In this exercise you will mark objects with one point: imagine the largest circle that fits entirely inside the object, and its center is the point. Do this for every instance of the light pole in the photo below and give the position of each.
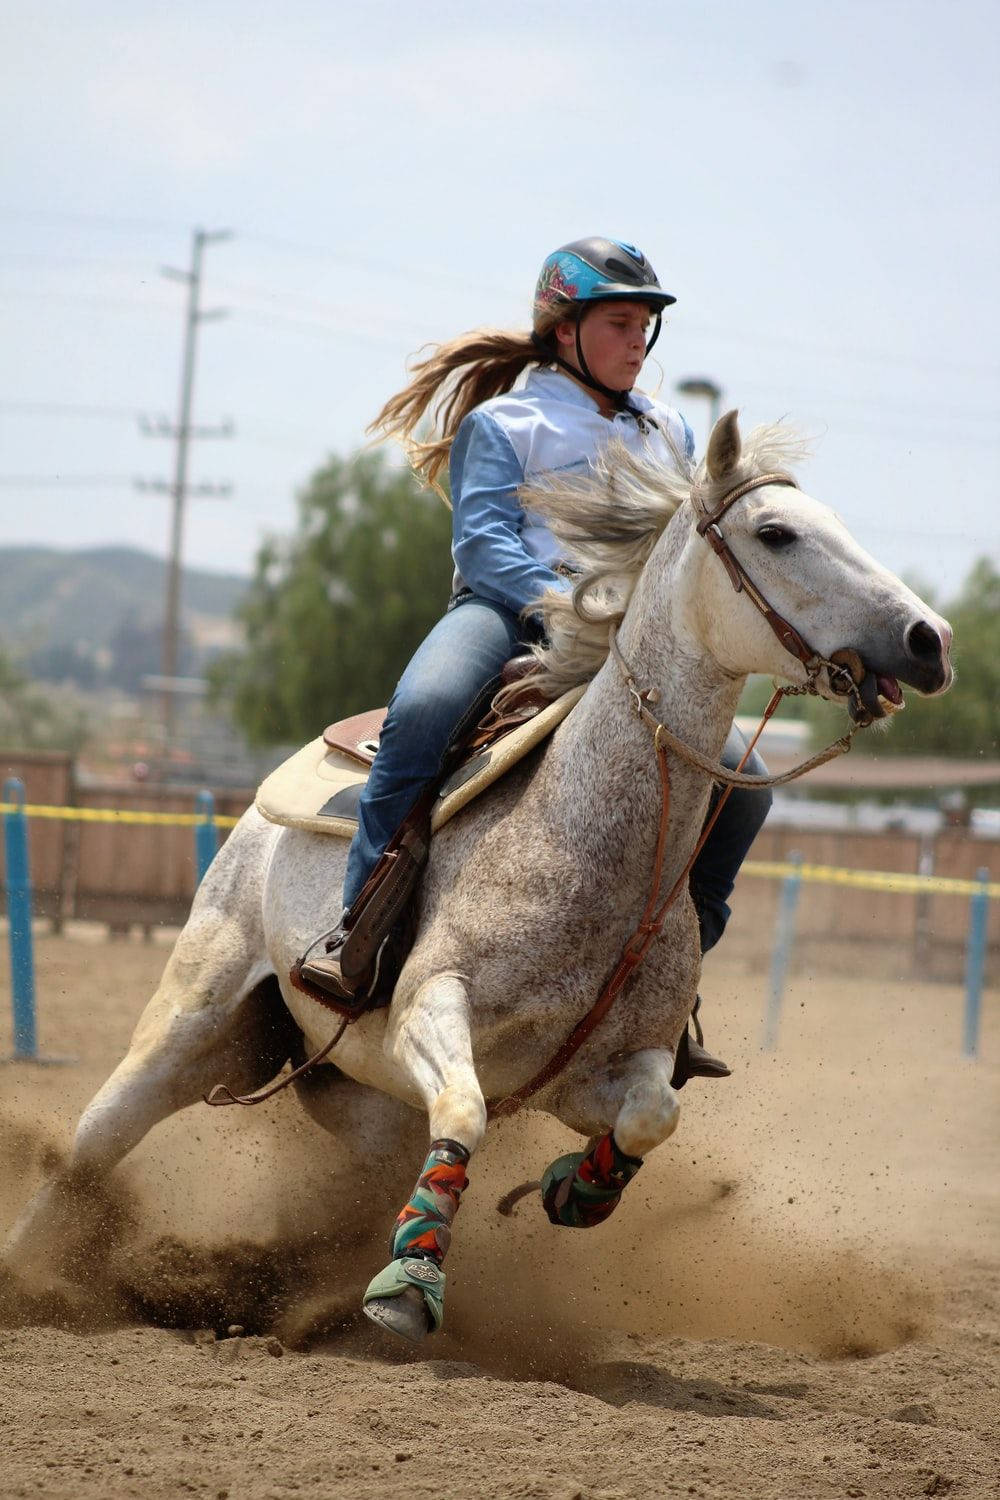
(701, 386)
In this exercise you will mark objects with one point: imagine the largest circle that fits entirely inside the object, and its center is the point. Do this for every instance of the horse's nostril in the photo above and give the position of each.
(923, 642)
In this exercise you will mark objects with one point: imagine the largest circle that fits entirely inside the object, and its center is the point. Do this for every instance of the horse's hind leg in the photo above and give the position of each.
(216, 1014)
(430, 1039)
(174, 1059)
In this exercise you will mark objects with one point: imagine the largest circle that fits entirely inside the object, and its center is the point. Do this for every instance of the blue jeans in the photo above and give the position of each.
(457, 667)
(451, 670)
(714, 872)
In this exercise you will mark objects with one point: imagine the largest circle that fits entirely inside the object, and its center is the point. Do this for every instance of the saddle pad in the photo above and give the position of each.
(318, 788)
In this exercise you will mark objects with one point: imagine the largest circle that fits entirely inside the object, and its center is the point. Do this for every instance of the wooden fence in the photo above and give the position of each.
(119, 873)
(889, 934)
(126, 874)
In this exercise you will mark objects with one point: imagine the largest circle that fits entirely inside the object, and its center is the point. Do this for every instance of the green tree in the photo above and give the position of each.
(757, 694)
(335, 612)
(34, 718)
(965, 723)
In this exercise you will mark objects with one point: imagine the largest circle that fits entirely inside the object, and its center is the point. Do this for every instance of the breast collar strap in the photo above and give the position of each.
(708, 527)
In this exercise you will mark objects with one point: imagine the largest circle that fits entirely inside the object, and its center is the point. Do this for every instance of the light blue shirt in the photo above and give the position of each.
(502, 551)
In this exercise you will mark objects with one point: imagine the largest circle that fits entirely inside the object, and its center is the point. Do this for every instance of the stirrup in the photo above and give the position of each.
(322, 978)
(347, 977)
(693, 1060)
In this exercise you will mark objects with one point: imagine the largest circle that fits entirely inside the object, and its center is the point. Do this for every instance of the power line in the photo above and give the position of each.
(877, 403)
(312, 329)
(832, 351)
(256, 431)
(802, 404)
(371, 263)
(902, 535)
(872, 357)
(63, 481)
(67, 409)
(106, 221)
(314, 304)
(910, 437)
(85, 299)
(33, 261)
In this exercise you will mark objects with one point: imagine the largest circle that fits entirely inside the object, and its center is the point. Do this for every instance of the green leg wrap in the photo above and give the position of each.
(583, 1188)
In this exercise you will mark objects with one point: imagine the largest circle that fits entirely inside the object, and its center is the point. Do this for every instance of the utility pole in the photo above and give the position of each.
(179, 490)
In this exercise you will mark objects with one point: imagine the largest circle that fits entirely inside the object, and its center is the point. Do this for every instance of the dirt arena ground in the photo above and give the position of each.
(799, 1297)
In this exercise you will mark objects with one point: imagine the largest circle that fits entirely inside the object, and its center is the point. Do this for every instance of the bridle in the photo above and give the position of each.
(654, 915)
(841, 679)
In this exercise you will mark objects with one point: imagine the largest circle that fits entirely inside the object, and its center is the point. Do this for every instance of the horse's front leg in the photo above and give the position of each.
(581, 1189)
(430, 1039)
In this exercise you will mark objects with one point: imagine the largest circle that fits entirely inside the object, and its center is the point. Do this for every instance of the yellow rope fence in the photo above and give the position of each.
(869, 880)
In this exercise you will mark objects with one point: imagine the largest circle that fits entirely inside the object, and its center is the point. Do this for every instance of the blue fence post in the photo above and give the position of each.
(22, 961)
(975, 963)
(784, 938)
(206, 835)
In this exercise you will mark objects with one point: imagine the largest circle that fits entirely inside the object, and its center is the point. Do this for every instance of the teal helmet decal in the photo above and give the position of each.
(584, 272)
(595, 269)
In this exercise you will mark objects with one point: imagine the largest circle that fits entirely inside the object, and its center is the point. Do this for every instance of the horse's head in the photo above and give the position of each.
(766, 557)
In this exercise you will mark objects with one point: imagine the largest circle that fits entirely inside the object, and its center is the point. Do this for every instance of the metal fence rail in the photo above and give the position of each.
(206, 823)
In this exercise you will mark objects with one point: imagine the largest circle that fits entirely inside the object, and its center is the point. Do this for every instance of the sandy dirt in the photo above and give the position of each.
(799, 1297)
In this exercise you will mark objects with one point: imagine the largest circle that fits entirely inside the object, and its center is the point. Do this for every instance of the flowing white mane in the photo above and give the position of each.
(608, 520)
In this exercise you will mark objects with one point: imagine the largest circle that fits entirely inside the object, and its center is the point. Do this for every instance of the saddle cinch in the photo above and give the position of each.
(319, 787)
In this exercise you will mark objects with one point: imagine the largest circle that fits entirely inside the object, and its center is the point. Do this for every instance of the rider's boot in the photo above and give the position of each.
(324, 971)
(693, 1060)
(341, 968)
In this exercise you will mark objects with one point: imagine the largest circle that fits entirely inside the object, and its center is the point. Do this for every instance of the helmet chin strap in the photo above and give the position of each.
(581, 370)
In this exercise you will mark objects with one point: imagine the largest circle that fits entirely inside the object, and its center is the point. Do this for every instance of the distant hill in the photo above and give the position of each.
(58, 607)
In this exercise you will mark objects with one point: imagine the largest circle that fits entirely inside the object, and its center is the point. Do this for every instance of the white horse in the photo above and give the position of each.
(532, 892)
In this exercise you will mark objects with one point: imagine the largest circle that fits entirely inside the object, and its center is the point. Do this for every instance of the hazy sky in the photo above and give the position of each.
(816, 182)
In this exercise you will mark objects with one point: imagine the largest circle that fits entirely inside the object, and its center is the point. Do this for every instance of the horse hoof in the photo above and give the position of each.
(405, 1315)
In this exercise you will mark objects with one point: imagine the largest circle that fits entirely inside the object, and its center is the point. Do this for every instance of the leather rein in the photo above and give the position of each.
(655, 913)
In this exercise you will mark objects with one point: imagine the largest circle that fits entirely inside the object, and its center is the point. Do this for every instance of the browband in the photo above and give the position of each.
(731, 496)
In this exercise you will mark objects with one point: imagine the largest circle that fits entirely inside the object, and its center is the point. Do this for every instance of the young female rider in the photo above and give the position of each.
(595, 303)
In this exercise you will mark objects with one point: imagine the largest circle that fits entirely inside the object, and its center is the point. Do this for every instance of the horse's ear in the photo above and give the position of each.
(723, 447)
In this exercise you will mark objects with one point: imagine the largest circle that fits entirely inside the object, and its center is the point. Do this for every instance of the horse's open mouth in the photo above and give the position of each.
(880, 695)
(872, 695)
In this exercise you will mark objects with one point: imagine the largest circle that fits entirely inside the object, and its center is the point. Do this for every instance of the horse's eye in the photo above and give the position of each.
(776, 537)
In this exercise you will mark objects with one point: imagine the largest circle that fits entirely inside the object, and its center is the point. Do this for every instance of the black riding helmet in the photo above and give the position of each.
(587, 271)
